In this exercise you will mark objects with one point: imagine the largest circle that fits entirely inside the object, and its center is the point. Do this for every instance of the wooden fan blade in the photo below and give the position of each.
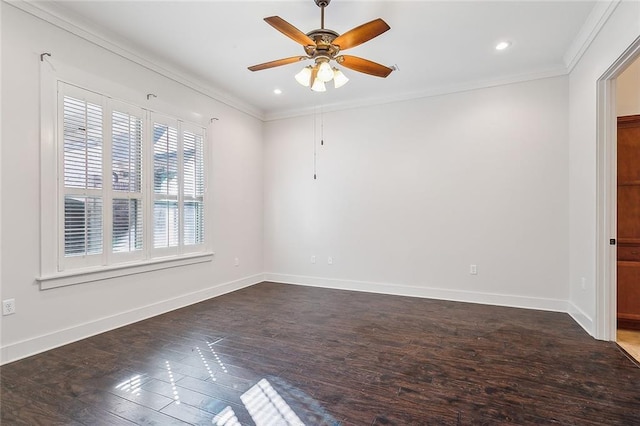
(277, 63)
(364, 65)
(289, 30)
(361, 34)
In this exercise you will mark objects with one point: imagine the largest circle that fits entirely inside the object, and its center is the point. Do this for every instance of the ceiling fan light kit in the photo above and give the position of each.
(323, 46)
(325, 72)
(304, 76)
(339, 79)
(318, 86)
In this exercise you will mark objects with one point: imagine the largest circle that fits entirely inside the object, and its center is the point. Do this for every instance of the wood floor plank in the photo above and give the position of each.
(18, 407)
(128, 410)
(71, 406)
(187, 396)
(211, 389)
(327, 357)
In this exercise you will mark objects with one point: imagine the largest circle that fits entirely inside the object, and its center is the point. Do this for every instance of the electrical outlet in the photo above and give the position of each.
(329, 260)
(313, 259)
(8, 306)
(473, 269)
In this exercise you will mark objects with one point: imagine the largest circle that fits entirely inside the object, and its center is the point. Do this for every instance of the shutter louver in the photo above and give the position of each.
(82, 225)
(127, 225)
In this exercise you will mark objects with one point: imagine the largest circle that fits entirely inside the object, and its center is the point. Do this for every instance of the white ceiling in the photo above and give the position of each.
(439, 47)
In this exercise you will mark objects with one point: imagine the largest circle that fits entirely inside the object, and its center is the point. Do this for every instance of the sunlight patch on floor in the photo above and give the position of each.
(267, 407)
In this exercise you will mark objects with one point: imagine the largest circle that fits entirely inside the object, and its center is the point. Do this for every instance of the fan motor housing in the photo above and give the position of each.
(324, 42)
(322, 3)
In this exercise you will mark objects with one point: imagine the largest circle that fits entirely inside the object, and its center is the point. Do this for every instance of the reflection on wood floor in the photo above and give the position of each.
(290, 355)
(629, 340)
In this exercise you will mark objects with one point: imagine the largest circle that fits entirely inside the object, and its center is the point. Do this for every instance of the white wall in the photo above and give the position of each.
(45, 319)
(620, 31)
(628, 90)
(409, 194)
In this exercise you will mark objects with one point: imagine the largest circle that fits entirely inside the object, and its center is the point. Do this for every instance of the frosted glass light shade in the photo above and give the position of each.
(325, 73)
(304, 76)
(318, 86)
(339, 79)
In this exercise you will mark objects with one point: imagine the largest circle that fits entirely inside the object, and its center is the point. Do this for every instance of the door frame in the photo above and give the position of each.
(606, 194)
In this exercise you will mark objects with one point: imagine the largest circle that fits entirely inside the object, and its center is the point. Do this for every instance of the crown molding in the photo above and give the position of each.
(53, 13)
(599, 15)
(438, 91)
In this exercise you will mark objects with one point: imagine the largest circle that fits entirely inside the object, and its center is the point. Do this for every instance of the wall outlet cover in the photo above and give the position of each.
(8, 306)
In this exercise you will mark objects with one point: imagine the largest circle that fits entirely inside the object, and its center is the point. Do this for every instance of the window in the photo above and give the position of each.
(133, 183)
(178, 185)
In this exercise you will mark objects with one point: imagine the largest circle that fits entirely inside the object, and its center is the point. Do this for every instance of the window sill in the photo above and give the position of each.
(105, 272)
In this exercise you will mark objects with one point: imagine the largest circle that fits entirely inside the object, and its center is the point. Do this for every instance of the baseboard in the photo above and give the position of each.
(15, 351)
(582, 319)
(628, 324)
(555, 305)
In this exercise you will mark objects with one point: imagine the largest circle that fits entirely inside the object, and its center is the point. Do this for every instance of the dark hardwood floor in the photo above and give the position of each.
(285, 355)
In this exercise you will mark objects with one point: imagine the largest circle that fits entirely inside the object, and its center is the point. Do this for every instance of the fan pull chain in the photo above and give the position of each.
(314, 148)
(315, 133)
(322, 127)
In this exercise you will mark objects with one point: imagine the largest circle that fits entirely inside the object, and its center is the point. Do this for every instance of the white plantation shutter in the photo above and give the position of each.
(126, 151)
(193, 187)
(82, 169)
(126, 171)
(166, 215)
(82, 144)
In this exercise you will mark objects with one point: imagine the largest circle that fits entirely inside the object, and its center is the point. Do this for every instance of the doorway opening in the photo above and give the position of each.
(628, 209)
(615, 259)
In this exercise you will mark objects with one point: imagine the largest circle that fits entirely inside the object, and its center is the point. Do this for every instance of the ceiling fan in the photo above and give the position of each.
(324, 45)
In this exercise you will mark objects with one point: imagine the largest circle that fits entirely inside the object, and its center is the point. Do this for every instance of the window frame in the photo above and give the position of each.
(55, 269)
